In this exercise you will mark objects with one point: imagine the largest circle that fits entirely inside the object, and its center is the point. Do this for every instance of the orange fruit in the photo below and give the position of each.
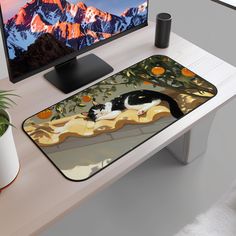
(45, 114)
(147, 83)
(158, 70)
(186, 72)
(86, 98)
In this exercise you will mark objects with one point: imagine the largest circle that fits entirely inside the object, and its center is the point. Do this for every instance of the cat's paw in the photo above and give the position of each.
(141, 112)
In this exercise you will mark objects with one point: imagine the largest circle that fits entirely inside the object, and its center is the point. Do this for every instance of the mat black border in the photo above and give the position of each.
(82, 180)
(224, 4)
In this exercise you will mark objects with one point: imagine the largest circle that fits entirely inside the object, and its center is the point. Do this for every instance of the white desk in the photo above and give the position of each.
(40, 195)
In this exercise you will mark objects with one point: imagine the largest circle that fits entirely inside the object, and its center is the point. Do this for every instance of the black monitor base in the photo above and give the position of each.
(74, 74)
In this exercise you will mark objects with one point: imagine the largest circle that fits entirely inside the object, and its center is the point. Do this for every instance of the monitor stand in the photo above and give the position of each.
(74, 73)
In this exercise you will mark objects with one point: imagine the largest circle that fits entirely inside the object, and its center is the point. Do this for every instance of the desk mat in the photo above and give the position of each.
(88, 131)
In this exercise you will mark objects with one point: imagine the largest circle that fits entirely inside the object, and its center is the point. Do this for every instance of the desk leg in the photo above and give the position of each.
(192, 144)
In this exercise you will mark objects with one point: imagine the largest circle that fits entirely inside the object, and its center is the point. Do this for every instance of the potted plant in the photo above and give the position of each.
(9, 162)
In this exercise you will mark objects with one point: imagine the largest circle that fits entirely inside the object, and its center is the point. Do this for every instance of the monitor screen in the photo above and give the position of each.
(41, 33)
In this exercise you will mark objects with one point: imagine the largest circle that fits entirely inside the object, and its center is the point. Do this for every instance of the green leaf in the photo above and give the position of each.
(81, 105)
(55, 117)
(5, 101)
(4, 123)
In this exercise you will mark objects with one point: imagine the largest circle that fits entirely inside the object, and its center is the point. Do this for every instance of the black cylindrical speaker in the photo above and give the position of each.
(163, 27)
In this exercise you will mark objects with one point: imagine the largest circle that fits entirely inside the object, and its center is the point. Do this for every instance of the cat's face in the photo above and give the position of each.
(98, 110)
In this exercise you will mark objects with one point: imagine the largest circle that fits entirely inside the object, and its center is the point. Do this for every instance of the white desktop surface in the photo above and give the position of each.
(40, 194)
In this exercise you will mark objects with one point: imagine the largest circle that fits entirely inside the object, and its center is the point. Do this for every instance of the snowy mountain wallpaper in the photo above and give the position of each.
(38, 32)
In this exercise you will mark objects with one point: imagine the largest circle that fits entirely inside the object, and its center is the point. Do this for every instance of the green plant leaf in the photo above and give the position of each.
(5, 103)
(4, 123)
(81, 105)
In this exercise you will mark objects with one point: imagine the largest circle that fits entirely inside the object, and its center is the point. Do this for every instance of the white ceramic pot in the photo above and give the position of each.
(9, 162)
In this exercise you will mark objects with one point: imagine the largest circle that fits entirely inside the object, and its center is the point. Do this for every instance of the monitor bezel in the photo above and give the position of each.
(65, 58)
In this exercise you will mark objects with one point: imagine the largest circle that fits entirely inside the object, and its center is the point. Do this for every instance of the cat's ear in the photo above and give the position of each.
(95, 103)
(85, 114)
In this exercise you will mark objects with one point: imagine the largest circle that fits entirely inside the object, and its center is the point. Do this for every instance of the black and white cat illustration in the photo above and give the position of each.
(140, 100)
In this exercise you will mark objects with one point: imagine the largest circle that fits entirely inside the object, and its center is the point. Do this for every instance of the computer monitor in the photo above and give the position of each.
(40, 34)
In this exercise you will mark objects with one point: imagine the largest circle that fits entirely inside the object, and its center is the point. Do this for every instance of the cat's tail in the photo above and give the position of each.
(174, 107)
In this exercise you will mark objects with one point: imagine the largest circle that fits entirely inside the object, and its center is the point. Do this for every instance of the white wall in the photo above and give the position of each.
(3, 66)
(203, 22)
